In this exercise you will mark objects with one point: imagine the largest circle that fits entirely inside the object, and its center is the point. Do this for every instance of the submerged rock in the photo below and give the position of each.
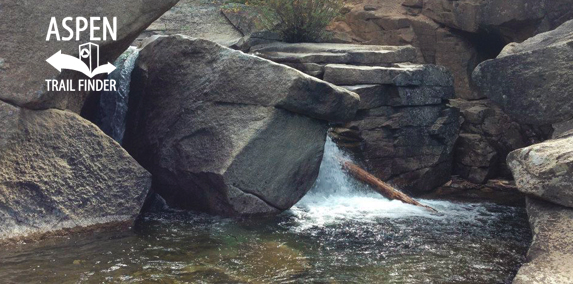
(531, 81)
(24, 49)
(550, 257)
(226, 132)
(59, 171)
(545, 170)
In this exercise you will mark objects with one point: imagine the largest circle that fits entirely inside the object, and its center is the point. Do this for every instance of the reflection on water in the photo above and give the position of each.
(339, 233)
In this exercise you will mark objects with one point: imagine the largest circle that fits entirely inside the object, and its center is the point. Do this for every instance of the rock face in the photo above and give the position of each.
(390, 22)
(550, 256)
(221, 135)
(196, 18)
(403, 131)
(457, 34)
(544, 170)
(531, 80)
(58, 171)
(487, 136)
(24, 49)
(515, 19)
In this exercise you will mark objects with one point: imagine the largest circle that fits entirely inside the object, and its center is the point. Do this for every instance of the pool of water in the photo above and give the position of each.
(340, 232)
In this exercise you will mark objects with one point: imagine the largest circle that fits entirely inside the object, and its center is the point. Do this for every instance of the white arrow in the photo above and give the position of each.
(63, 61)
(106, 68)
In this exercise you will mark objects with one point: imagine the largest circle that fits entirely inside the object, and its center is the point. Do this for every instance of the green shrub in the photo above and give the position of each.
(300, 20)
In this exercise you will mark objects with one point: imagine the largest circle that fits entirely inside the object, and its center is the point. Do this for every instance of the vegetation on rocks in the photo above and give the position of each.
(298, 20)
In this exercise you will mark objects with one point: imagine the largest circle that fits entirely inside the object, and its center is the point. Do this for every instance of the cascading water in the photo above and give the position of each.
(336, 195)
(340, 232)
(113, 105)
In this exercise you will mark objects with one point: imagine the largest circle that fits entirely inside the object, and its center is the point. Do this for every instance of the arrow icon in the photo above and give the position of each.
(63, 61)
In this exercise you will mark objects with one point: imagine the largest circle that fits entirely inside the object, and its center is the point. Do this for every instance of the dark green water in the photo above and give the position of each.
(339, 233)
(323, 242)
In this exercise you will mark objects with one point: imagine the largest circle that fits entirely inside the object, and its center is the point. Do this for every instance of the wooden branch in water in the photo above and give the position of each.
(379, 186)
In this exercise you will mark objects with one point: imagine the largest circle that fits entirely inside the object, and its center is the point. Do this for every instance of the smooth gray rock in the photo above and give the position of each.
(227, 132)
(24, 49)
(58, 171)
(545, 170)
(531, 80)
(550, 256)
(402, 75)
(326, 53)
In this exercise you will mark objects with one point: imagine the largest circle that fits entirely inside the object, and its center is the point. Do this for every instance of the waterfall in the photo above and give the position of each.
(113, 105)
(337, 197)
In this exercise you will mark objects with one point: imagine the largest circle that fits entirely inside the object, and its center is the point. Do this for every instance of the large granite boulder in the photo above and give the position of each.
(514, 19)
(59, 171)
(227, 132)
(24, 49)
(531, 81)
(545, 170)
(550, 257)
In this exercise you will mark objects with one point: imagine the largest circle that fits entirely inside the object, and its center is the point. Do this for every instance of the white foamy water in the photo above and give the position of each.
(337, 197)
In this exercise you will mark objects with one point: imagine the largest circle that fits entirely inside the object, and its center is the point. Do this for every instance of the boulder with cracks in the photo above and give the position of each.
(220, 135)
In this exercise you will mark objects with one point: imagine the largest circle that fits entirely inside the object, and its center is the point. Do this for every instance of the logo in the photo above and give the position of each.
(89, 52)
(88, 60)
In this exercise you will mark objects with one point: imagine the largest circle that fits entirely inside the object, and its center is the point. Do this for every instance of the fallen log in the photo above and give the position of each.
(379, 186)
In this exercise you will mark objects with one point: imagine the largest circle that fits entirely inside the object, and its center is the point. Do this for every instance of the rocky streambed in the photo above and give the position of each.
(339, 232)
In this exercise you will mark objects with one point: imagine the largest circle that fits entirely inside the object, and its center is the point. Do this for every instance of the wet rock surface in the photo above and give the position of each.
(222, 136)
(59, 171)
